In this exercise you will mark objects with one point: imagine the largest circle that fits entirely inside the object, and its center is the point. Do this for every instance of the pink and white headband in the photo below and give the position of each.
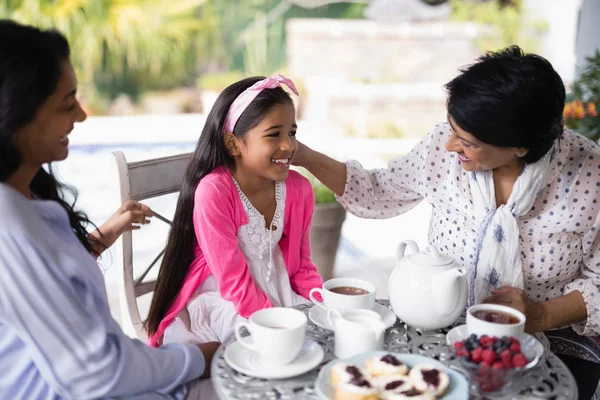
(242, 102)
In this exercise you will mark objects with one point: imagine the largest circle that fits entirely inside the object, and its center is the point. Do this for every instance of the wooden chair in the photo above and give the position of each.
(142, 180)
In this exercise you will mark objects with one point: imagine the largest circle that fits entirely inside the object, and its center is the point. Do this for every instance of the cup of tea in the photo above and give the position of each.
(277, 333)
(344, 294)
(495, 320)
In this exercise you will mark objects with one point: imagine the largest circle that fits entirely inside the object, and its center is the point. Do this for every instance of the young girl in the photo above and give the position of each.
(240, 238)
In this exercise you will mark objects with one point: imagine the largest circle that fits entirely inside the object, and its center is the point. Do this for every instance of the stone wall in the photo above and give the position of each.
(361, 75)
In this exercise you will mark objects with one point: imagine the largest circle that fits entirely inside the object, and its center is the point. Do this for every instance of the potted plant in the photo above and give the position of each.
(326, 228)
(580, 113)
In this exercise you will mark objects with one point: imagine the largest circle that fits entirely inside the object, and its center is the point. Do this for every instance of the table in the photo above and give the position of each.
(550, 379)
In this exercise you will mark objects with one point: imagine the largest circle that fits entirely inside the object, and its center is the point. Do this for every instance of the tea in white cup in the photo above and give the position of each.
(495, 320)
(345, 294)
(277, 334)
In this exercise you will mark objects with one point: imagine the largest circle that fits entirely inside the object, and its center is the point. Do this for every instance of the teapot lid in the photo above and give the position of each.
(430, 256)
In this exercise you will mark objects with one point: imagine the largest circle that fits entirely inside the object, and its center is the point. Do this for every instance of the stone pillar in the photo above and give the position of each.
(558, 43)
(588, 33)
(363, 76)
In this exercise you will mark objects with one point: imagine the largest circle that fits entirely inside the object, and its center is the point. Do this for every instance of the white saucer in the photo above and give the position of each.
(248, 362)
(530, 346)
(318, 316)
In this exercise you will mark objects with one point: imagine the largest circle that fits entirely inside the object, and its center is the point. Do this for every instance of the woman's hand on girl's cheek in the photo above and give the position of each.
(517, 299)
(301, 155)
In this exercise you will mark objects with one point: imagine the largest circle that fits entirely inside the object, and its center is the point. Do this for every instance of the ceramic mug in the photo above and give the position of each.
(341, 301)
(277, 333)
(495, 320)
(356, 331)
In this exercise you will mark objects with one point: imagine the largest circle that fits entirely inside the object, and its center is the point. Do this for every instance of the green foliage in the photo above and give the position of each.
(507, 19)
(132, 46)
(323, 195)
(123, 43)
(220, 80)
(252, 34)
(587, 86)
(263, 44)
(580, 111)
(354, 11)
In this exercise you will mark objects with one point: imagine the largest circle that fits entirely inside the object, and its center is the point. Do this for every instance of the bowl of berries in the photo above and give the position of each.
(492, 363)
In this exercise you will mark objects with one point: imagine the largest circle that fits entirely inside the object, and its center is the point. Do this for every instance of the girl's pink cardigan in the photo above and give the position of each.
(218, 215)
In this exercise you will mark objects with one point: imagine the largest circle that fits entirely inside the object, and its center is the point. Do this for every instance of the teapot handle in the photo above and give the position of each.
(414, 248)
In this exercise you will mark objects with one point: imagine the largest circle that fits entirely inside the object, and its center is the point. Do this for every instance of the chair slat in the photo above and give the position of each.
(139, 280)
(144, 288)
(143, 180)
(157, 177)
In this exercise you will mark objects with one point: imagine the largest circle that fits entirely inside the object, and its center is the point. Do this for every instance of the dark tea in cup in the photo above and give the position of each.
(348, 290)
(496, 317)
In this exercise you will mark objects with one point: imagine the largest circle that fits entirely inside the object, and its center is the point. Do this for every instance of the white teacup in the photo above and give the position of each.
(345, 301)
(513, 321)
(356, 331)
(277, 334)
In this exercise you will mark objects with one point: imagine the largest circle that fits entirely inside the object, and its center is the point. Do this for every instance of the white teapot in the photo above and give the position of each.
(427, 289)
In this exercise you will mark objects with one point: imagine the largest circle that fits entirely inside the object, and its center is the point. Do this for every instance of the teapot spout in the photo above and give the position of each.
(450, 289)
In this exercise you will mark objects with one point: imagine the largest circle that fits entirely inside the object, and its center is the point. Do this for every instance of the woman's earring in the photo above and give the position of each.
(520, 154)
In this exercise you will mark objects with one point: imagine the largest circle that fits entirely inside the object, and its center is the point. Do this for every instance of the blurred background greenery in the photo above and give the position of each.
(135, 46)
(580, 113)
(139, 47)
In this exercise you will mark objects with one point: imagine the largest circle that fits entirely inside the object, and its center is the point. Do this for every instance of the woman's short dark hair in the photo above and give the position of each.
(509, 99)
(31, 62)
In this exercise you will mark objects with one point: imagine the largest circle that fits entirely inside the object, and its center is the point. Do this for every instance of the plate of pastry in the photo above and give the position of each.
(390, 376)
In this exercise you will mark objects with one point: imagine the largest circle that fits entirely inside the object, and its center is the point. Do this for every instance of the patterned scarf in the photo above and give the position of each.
(498, 260)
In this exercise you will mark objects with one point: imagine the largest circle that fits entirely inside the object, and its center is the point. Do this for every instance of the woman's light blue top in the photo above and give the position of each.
(58, 339)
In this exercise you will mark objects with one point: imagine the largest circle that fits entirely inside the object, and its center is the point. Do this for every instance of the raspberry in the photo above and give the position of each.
(519, 360)
(506, 355)
(462, 353)
(513, 339)
(458, 345)
(516, 347)
(485, 341)
(476, 354)
(488, 356)
(498, 365)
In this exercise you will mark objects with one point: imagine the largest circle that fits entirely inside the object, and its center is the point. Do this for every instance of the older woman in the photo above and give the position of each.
(57, 336)
(514, 199)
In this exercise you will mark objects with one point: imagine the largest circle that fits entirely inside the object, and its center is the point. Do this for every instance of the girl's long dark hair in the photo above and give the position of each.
(30, 68)
(210, 153)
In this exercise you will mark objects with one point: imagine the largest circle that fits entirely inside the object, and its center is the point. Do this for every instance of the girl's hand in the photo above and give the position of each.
(128, 217)
(515, 298)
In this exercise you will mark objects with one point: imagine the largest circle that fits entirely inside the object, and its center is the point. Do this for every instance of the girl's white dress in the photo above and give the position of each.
(212, 317)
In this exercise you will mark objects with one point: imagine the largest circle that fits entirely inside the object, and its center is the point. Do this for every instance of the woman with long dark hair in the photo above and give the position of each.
(59, 339)
(240, 235)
